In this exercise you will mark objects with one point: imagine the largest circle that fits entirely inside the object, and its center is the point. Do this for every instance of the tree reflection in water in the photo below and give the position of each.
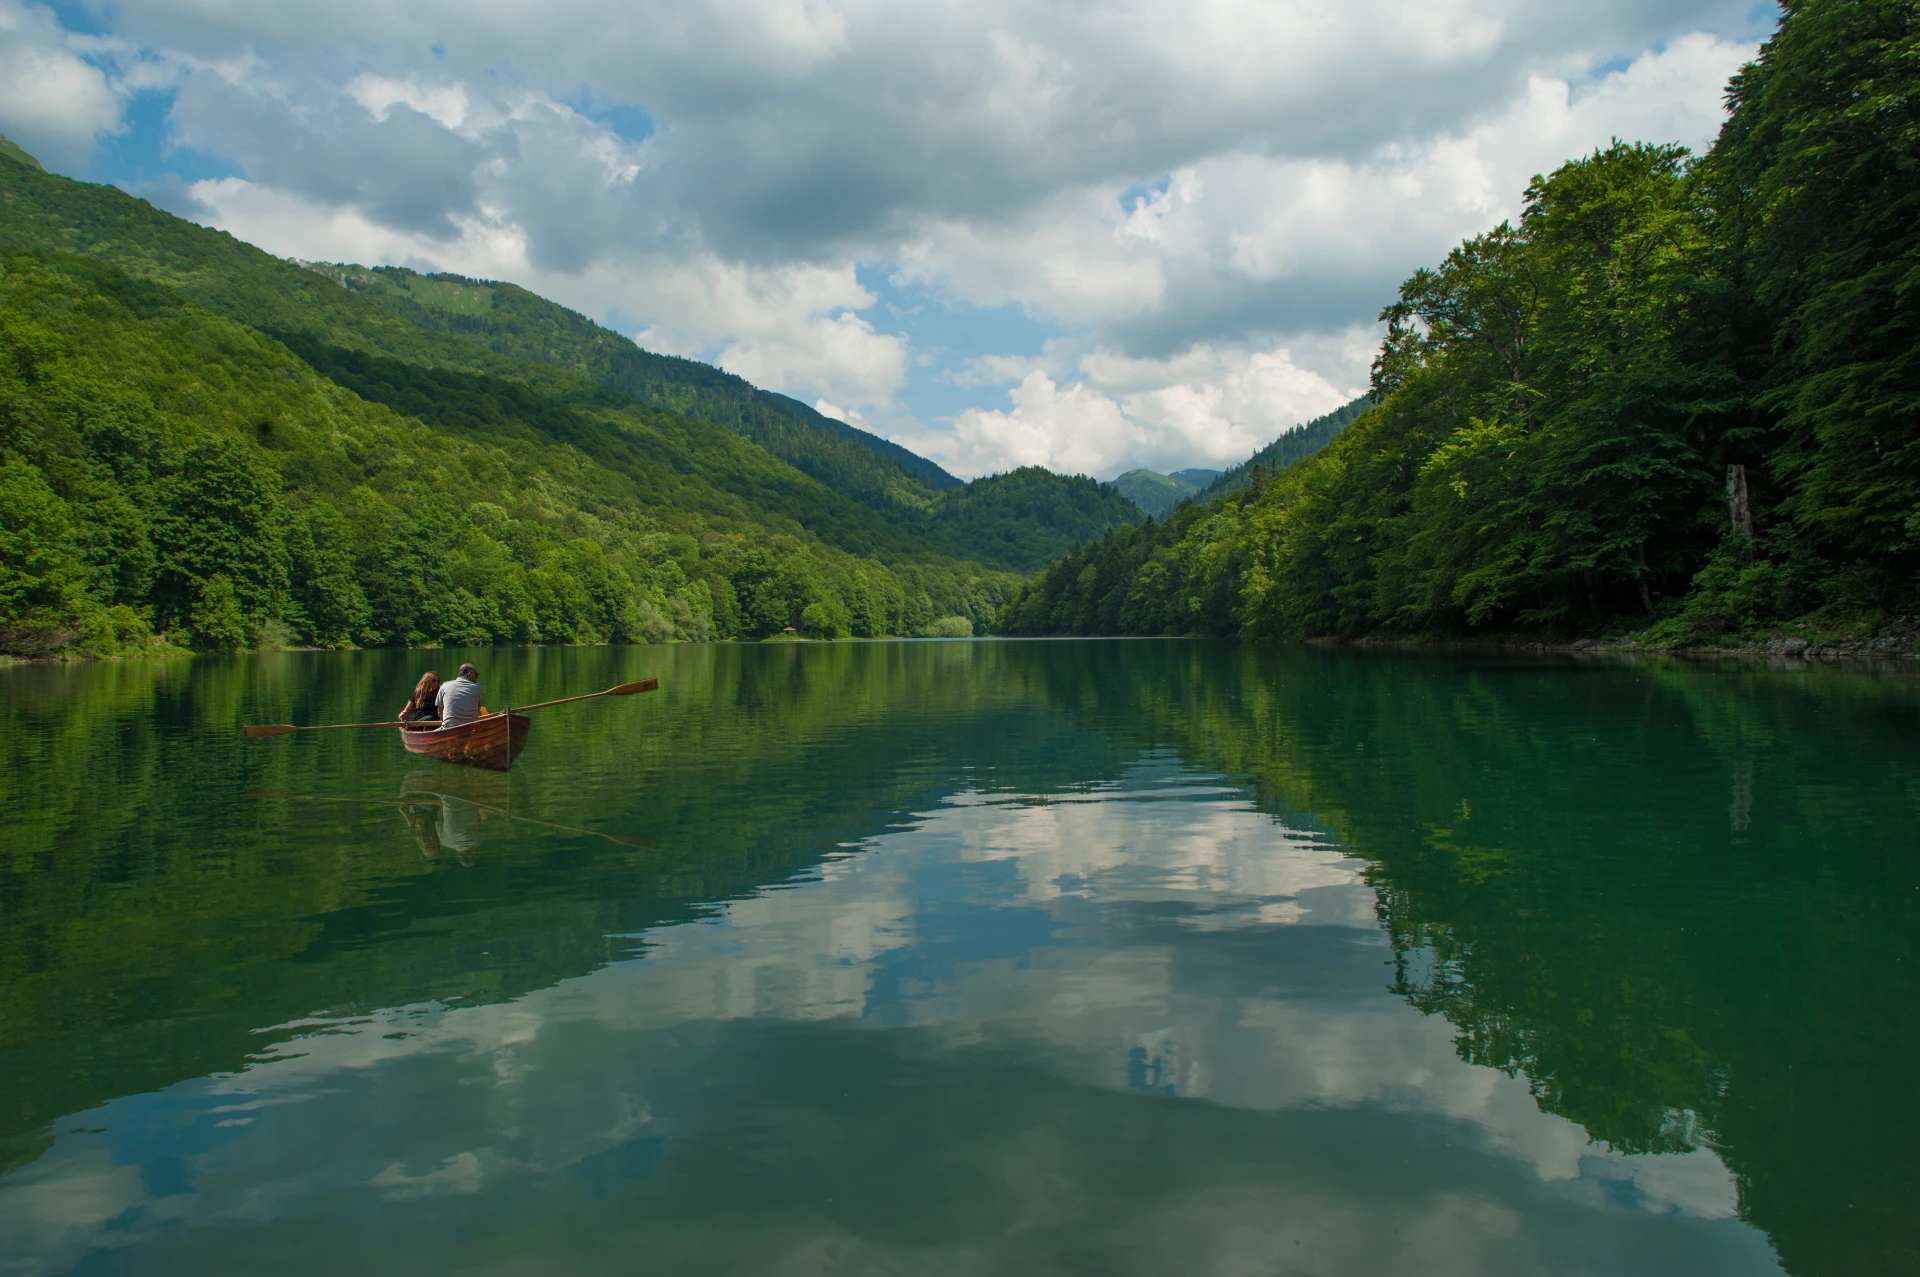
(1682, 902)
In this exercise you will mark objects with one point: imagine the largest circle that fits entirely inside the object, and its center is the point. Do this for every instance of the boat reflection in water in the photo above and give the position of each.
(445, 810)
(445, 814)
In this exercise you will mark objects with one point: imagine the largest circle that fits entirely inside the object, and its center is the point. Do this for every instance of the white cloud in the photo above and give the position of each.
(445, 103)
(1073, 429)
(790, 328)
(827, 408)
(837, 354)
(1218, 181)
(993, 370)
(1247, 241)
(52, 102)
(1207, 406)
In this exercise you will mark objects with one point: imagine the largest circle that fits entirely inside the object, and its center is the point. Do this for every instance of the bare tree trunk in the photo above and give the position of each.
(1739, 510)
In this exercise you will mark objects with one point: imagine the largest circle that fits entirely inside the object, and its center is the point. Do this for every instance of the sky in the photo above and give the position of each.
(1001, 232)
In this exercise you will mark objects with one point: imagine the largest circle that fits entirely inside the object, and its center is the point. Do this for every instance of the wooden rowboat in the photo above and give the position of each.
(492, 742)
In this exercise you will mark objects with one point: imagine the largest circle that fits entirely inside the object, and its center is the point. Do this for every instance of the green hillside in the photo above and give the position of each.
(167, 469)
(1158, 493)
(1296, 444)
(250, 498)
(1152, 491)
(1022, 517)
(512, 321)
(1675, 403)
(12, 150)
(865, 501)
(1019, 522)
(202, 441)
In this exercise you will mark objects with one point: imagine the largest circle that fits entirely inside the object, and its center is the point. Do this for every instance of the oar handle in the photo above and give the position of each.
(282, 729)
(624, 689)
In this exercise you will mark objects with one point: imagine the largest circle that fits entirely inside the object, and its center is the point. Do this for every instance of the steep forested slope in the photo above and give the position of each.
(512, 321)
(1019, 521)
(1296, 444)
(203, 441)
(1022, 517)
(164, 467)
(1680, 398)
(865, 501)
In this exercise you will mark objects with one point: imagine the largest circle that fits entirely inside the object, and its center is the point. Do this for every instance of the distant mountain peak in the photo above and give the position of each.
(1158, 493)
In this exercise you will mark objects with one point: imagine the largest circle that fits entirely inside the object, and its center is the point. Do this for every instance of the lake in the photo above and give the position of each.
(1102, 957)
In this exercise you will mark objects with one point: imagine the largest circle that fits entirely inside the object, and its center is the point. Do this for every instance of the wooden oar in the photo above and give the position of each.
(283, 729)
(625, 689)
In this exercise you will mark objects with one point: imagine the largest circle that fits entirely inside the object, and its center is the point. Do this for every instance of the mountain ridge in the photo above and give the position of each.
(1293, 445)
(1158, 493)
(203, 442)
(549, 349)
(517, 322)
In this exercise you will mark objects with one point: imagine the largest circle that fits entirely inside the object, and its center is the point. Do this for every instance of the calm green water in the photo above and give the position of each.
(964, 958)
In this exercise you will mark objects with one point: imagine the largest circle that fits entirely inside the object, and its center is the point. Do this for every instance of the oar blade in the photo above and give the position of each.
(628, 689)
(270, 729)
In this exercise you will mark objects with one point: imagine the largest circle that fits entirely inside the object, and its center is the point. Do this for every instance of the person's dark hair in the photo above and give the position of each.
(467, 671)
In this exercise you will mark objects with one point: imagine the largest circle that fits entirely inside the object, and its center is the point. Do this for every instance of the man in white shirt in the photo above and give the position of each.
(459, 700)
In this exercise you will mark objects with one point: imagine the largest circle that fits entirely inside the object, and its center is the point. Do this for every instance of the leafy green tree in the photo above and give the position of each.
(222, 518)
(826, 619)
(218, 622)
(43, 600)
(1820, 191)
(332, 608)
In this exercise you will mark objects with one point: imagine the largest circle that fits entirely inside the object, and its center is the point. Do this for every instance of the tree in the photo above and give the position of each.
(222, 518)
(1819, 165)
(43, 601)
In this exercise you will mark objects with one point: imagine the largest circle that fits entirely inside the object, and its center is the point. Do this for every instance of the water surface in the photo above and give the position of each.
(965, 957)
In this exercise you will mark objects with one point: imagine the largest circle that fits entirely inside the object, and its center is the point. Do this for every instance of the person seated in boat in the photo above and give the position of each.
(424, 706)
(459, 701)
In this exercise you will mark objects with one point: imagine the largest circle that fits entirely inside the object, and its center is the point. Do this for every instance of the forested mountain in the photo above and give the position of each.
(1019, 518)
(166, 467)
(512, 321)
(202, 441)
(1020, 521)
(1158, 493)
(1296, 444)
(1681, 398)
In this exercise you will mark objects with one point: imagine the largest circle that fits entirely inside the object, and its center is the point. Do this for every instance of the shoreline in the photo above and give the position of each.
(1883, 646)
(1899, 644)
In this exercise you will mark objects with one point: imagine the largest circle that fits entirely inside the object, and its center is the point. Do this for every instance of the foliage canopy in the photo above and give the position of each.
(1558, 407)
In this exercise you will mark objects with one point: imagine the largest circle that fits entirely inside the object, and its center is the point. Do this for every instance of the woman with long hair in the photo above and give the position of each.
(423, 707)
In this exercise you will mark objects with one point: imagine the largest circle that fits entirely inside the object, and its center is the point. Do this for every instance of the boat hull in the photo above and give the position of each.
(491, 743)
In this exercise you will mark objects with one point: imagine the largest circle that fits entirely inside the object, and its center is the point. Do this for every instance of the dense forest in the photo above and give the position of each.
(1679, 400)
(1296, 444)
(522, 325)
(205, 446)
